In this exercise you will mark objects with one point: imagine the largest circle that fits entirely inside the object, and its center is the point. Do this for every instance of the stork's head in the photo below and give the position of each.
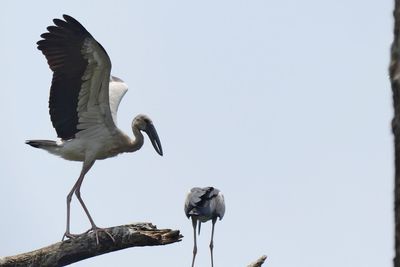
(144, 123)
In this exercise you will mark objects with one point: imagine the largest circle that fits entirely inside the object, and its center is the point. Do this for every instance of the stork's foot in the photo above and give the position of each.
(96, 231)
(72, 236)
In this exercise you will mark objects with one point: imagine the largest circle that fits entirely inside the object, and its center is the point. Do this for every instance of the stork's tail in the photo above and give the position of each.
(42, 143)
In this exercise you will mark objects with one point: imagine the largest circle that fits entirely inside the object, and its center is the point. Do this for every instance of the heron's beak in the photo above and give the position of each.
(152, 133)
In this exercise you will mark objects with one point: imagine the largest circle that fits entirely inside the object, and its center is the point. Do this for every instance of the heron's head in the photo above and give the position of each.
(144, 123)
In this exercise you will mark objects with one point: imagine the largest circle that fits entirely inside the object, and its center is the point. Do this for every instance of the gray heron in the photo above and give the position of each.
(83, 105)
(202, 205)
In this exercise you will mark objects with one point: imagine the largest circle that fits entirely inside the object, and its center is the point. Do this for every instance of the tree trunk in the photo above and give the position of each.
(394, 71)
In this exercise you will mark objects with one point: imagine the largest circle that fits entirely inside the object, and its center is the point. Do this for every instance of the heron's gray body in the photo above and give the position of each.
(202, 205)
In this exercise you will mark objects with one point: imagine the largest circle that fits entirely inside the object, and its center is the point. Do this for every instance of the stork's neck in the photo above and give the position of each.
(136, 143)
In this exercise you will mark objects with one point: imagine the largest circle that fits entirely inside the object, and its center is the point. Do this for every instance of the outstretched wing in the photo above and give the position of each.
(79, 93)
(117, 91)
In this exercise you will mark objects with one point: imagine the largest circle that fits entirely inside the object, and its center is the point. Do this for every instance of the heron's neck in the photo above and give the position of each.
(136, 143)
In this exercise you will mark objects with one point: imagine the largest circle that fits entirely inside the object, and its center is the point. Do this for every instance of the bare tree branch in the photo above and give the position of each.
(259, 262)
(85, 246)
(394, 72)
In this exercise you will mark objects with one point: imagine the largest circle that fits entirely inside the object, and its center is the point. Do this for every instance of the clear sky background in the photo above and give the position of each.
(285, 106)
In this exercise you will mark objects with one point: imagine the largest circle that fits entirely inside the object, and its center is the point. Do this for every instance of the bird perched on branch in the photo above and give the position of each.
(202, 205)
(84, 100)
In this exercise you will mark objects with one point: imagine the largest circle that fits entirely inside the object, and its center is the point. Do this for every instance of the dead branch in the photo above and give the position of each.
(259, 262)
(85, 246)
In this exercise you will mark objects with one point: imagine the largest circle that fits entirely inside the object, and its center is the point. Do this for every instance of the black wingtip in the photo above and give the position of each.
(60, 23)
(69, 18)
(72, 20)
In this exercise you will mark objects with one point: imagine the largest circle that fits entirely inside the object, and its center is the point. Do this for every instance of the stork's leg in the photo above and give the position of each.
(85, 168)
(194, 223)
(94, 228)
(212, 242)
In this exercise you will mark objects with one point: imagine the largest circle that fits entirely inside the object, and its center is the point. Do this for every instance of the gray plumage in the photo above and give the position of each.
(205, 203)
(202, 205)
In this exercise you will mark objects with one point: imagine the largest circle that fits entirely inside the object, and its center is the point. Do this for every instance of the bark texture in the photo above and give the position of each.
(394, 71)
(85, 246)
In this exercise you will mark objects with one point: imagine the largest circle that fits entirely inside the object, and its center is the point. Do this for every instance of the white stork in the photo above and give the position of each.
(202, 205)
(83, 104)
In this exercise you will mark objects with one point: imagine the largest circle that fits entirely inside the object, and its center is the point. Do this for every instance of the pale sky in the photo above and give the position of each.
(285, 106)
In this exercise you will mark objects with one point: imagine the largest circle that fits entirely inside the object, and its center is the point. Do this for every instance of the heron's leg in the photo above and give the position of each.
(85, 168)
(212, 242)
(194, 223)
(78, 196)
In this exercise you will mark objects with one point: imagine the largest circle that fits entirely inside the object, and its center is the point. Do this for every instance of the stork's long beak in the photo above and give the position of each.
(152, 133)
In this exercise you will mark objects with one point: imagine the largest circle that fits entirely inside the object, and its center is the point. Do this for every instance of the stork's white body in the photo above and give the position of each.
(80, 148)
